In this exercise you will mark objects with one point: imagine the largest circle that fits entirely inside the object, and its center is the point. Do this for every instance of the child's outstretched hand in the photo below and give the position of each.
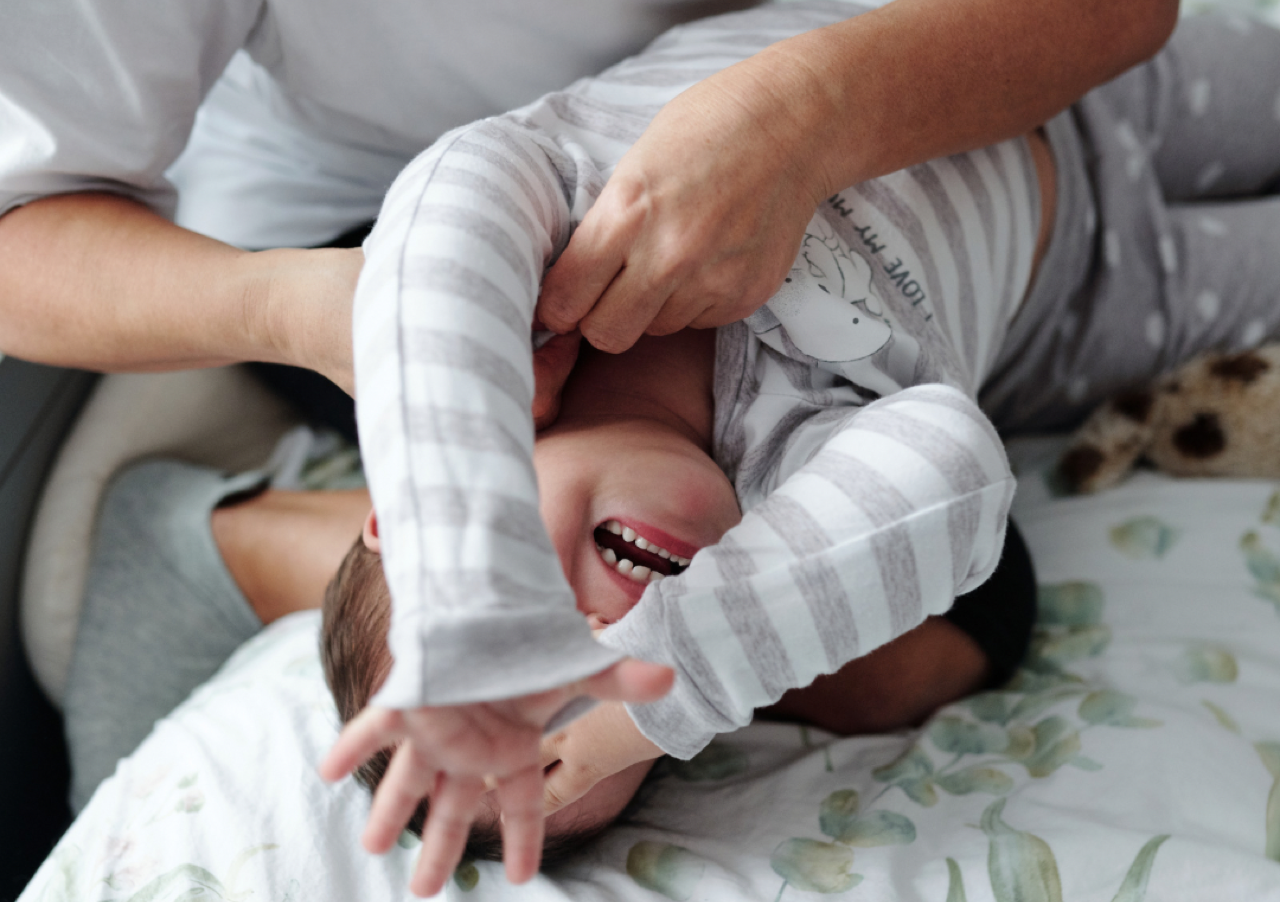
(450, 753)
(601, 743)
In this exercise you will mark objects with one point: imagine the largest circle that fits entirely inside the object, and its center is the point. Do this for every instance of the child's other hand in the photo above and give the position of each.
(552, 364)
(601, 743)
(450, 753)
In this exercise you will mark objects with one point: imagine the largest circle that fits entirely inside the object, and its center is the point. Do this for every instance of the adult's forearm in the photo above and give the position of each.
(100, 282)
(920, 79)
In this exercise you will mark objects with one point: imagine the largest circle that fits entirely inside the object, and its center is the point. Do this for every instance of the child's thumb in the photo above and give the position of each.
(630, 681)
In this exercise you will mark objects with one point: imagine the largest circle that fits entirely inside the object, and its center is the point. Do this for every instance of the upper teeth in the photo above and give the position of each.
(640, 574)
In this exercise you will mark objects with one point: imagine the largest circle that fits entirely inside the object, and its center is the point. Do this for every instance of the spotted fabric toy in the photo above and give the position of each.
(1219, 415)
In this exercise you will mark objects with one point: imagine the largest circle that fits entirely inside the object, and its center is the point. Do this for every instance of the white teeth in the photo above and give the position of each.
(625, 567)
(655, 576)
(629, 535)
(640, 574)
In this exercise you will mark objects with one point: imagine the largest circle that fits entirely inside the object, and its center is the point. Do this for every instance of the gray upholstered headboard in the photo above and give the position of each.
(37, 405)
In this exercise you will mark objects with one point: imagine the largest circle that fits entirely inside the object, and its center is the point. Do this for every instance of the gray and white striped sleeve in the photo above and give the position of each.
(902, 509)
(480, 607)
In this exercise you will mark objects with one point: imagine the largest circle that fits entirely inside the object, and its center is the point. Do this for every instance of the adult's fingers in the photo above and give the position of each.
(453, 807)
(720, 298)
(626, 309)
(370, 730)
(523, 824)
(407, 782)
(595, 256)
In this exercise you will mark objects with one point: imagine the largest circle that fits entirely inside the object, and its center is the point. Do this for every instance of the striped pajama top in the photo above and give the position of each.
(873, 488)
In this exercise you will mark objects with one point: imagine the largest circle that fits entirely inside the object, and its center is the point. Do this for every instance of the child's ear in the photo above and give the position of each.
(370, 533)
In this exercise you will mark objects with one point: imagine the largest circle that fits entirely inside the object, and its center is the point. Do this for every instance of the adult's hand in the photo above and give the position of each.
(601, 743)
(451, 754)
(699, 222)
(701, 219)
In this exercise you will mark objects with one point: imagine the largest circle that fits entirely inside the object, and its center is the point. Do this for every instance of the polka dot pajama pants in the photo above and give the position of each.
(1167, 232)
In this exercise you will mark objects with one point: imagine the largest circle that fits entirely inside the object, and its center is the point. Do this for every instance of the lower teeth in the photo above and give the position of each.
(629, 568)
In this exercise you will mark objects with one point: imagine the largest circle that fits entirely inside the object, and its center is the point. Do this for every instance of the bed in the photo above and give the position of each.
(1136, 755)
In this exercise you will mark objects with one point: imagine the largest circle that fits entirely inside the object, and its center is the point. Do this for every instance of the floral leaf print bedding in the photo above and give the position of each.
(1135, 756)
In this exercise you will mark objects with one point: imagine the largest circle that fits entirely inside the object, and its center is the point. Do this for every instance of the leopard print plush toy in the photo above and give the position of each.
(1218, 415)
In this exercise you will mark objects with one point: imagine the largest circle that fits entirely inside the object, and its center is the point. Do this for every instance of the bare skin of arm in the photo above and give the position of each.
(283, 547)
(100, 282)
(762, 142)
(898, 685)
(920, 79)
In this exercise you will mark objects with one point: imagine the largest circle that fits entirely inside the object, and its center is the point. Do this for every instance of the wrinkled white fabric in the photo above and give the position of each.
(302, 138)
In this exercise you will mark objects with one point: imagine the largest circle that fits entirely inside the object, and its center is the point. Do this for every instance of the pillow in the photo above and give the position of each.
(216, 417)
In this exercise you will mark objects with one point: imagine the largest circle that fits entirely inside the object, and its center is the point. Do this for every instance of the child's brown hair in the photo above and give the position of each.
(354, 652)
(356, 660)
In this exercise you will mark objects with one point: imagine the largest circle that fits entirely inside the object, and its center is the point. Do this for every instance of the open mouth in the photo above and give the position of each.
(635, 557)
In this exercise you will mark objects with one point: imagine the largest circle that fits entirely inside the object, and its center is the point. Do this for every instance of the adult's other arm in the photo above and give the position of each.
(92, 274)
(701, 220)
(101, 282)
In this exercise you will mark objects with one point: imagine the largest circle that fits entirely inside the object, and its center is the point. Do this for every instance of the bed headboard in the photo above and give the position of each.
(37, 405)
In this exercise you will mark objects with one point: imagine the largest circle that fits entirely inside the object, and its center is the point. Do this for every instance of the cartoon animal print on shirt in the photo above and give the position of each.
(827, 305)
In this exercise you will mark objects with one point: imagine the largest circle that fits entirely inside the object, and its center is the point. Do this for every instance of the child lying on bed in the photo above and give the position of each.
(875, 490)
(1138, 225)
(861, 519)
(628, 422)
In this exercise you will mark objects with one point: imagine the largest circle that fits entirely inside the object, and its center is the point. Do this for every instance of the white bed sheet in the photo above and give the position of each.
(1151, 709)
(1136, 758)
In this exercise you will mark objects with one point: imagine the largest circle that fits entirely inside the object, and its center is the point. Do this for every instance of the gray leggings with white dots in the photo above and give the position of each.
(1167, 234)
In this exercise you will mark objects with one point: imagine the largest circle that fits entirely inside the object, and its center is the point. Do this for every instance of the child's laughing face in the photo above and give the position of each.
(628, 501)
(628, 490)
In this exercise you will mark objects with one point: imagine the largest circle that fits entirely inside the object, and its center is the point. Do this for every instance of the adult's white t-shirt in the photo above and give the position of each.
(295, 115)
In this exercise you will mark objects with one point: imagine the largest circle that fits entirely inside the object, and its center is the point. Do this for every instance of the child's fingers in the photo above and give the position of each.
(453, 808)
(567, 783)
(407, 782)
(520, 799)
(552, 364)
(629, 681)
(594, 257)
(372, 729)
(549, 750)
